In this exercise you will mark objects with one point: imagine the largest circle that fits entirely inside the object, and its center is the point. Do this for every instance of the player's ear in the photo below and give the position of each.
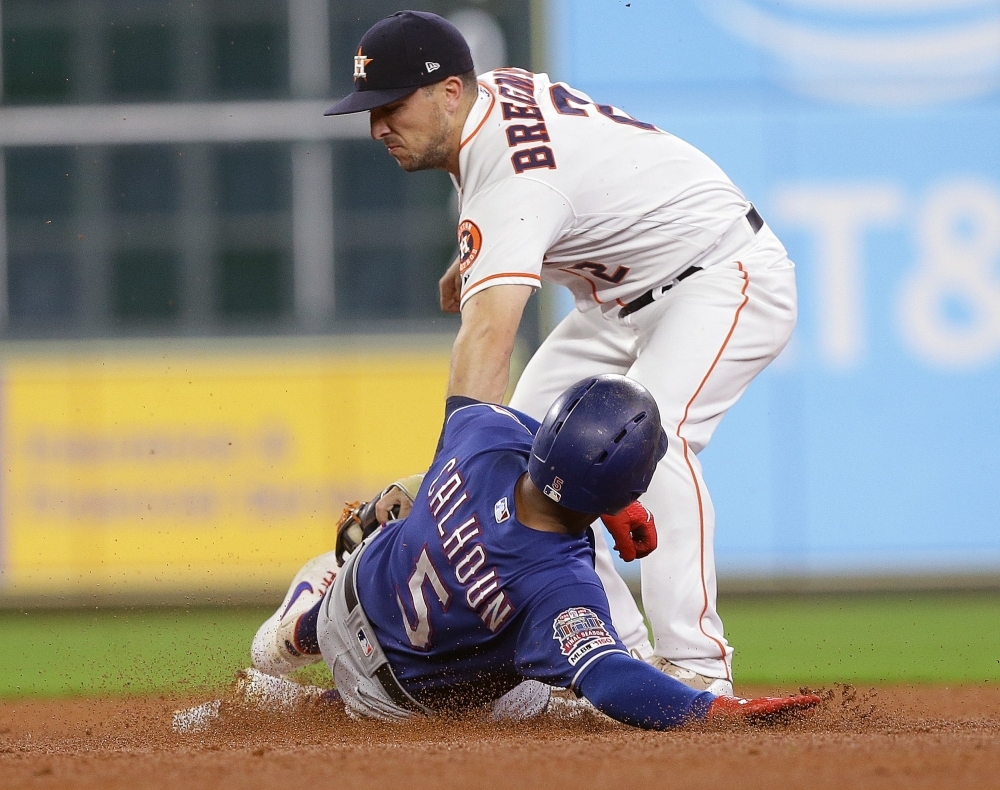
(453, 91)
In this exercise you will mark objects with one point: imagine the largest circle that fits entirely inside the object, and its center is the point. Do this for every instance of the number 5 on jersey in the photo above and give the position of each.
(420, 634)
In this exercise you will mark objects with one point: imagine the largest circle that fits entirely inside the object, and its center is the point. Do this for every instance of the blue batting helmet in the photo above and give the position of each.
(597, 447)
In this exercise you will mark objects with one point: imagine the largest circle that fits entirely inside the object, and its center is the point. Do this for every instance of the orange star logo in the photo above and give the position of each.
(360, 61)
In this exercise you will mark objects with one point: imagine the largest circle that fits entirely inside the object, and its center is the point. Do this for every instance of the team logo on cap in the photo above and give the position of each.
(470, 242)
(360, 61)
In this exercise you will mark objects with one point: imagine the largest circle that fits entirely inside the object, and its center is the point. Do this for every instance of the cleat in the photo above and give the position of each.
(254, 690)
(565, 703)
(275, 650)
(720, 687)
(270, 694)
(197, 719)
(760, 710)
(525, 701)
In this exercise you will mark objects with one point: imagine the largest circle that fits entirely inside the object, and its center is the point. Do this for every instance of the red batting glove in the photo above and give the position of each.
(634, 531)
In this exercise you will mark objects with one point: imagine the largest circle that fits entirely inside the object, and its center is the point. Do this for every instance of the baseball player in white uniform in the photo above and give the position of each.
(678, 283)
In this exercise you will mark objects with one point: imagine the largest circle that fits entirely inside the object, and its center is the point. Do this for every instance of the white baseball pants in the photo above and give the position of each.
(696, 348)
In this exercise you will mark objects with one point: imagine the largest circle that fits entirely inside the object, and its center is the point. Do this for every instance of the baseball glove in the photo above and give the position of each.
(356, 523)
(361, 519)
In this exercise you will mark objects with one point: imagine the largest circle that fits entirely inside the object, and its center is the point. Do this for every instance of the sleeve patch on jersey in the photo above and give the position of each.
(470, 242)
(580, 632)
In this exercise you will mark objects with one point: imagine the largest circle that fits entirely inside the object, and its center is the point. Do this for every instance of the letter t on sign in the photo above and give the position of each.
(838, 217)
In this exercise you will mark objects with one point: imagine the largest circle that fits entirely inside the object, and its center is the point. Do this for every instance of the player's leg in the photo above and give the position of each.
(583, 344)
(700, 346)
(629, 623)
(281, 646)
(586, 344)
(348, 645)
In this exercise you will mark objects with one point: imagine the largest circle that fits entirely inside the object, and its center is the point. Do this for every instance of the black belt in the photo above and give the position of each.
(756, 222)
(648, 298)
(384, 673)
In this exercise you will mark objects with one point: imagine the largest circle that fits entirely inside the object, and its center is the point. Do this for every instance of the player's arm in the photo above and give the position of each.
(450, 286)
(567, 639)
(633, 692)
(397, 500)
(480, 358)
(503, 236)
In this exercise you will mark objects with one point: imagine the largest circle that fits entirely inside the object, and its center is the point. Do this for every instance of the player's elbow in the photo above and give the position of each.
(488, 333)
(480, 360)
(491, 317)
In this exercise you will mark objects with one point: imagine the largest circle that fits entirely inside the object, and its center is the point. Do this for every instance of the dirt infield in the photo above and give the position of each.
(901, 737)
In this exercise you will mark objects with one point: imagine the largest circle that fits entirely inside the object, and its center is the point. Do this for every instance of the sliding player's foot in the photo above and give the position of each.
(278, 648)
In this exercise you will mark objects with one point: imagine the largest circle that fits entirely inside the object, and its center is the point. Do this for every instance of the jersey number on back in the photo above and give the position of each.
(420, 634)
(564, 101)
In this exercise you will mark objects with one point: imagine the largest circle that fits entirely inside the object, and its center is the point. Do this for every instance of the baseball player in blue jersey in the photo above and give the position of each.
(489, 580)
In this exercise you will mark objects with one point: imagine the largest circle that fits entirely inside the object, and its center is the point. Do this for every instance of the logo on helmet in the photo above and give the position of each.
(470, 242)
(554, 491)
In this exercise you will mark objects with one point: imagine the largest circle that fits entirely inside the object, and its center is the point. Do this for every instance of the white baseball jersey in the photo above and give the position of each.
(556, 187)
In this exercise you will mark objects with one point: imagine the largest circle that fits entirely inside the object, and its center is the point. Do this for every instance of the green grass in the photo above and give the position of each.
(122, 651)
(872, 638)
(927, 637)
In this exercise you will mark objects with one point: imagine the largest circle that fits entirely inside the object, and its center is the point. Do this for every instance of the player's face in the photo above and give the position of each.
(415, 130)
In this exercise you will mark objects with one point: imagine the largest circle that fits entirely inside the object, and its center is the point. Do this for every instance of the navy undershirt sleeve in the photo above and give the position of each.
(632, 692)
(458, 402)
(450, 405)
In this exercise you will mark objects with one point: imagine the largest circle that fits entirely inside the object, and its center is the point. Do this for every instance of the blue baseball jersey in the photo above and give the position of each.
(465, 600)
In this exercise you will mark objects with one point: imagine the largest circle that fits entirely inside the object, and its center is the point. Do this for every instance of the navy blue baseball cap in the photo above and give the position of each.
(400, 54)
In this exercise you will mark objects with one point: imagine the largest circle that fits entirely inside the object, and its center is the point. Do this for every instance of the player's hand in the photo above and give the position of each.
(450, 286)
(393, 498)
(397, 500)
(634, 531)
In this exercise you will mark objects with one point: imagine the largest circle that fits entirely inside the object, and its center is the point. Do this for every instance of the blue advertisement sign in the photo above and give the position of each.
(867, 132)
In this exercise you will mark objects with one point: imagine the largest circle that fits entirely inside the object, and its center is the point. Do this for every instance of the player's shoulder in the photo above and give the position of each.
(515, 82)
(506, 133)
(468, 410)
(572, 586)
(555, 560)
(491, 415)
(475, 429)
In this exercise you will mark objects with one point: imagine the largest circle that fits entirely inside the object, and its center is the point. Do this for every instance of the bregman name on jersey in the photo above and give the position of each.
(556, 186)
